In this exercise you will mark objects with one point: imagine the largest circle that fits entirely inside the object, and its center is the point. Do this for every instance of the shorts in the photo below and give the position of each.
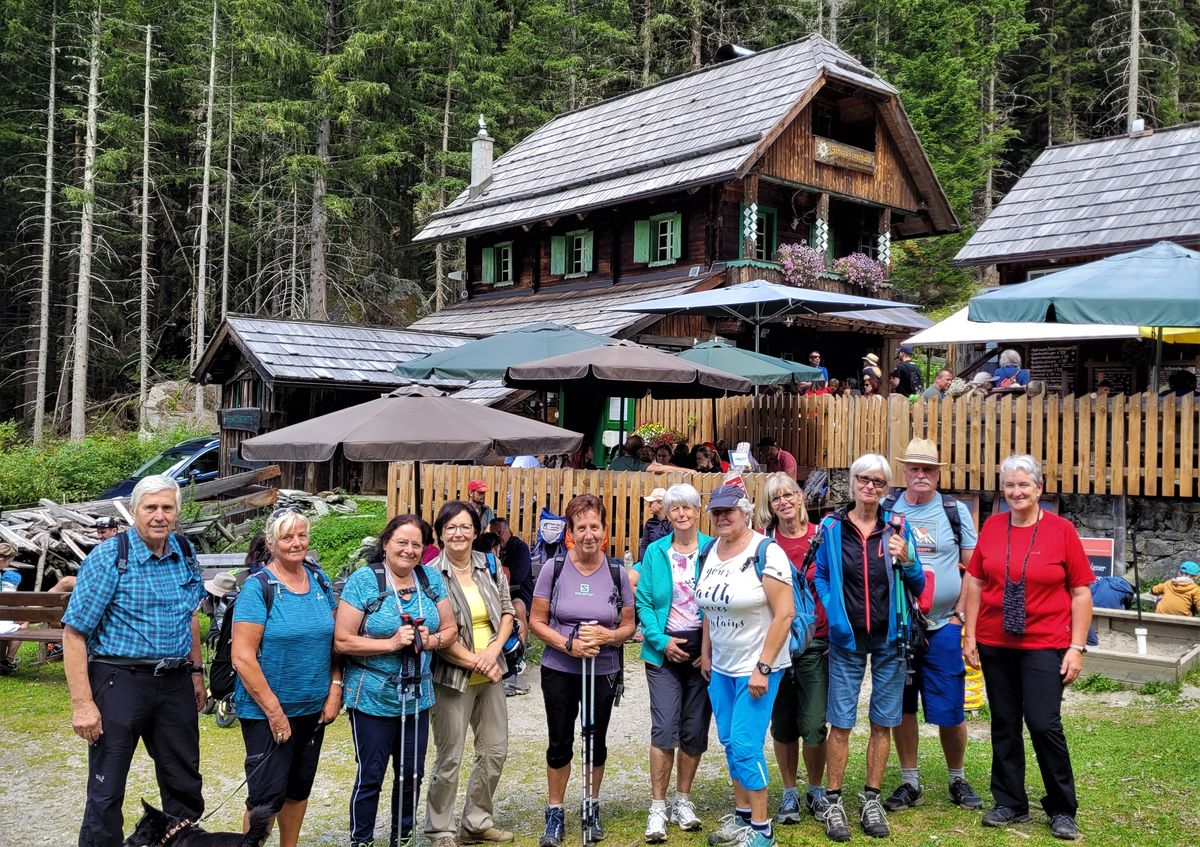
(799, 711)
(284, 773)
(846, 671)
(940, 678)
(680, 711)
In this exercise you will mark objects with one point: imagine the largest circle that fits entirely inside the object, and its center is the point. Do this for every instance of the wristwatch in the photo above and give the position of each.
(197, 670)
(763, 668)
(1082, 648)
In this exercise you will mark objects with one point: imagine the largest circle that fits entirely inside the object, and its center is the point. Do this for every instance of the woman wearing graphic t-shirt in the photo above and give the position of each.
(1029, 607)
(680, 712)
(744, 654)
(576, 617)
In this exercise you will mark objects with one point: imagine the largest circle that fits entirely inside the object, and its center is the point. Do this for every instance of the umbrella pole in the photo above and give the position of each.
(416, 507)
(1158, 341)
(714, 420)
(1137, 581)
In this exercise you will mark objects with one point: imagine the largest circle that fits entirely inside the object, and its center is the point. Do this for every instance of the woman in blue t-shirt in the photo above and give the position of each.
(288, 687)
(393, 615)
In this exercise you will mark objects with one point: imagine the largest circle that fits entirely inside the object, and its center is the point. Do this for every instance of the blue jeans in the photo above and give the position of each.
(846, 671)
(742, 725)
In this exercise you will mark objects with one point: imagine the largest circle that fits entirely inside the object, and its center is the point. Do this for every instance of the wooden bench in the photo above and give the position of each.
(34, 607)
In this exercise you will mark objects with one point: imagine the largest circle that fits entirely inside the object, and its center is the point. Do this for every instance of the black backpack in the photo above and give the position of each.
(221, 674)
(185, 547)
(949, 505)
(614, 571)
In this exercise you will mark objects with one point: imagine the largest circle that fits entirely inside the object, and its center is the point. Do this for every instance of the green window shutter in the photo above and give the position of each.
(641, 241)
(558, 254)
(489, 265)
(587, 252)
(677, 233)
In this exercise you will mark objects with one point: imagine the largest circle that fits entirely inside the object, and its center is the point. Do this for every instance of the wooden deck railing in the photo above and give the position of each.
(1136, 444)
(520, 493)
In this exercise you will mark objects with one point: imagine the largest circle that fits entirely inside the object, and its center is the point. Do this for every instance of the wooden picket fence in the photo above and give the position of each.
(1137, 444)
(520, 493)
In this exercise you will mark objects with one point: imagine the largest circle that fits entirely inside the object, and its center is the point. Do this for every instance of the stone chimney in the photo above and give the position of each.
(481, 160)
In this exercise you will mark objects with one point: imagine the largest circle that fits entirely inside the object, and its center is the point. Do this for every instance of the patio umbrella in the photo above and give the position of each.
(759, 368)
(757, 302)
(488, 357)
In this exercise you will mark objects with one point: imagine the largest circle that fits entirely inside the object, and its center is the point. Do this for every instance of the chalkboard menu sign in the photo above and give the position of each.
(1054, 365)
(1119, 375)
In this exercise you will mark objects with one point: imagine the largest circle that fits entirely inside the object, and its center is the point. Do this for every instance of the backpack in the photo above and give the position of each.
(551, 530)
(185, 548)
(614, 571)
(378, 568)
(804, 605)
(949, 505)
(221, 673)
(514, 650)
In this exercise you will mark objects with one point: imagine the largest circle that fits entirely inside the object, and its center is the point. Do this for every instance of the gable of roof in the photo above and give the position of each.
(1108, 195)
(313, 351)
(707, 126)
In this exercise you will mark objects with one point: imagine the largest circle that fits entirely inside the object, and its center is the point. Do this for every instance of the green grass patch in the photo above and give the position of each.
(1163, 692)
(1098, 684)
(335, 538)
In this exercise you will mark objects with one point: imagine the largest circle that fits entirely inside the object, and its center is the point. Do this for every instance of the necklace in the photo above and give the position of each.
(279, 576)
(457, 569)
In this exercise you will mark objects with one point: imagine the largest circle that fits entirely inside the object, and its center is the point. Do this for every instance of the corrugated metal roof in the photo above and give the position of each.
(1086, 197)
(698, 127)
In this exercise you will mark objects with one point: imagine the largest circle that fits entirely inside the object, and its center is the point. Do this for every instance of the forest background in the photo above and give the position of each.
(293, 147)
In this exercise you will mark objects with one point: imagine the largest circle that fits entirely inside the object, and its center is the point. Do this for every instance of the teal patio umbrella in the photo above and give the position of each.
(490, 357)
(759, 368)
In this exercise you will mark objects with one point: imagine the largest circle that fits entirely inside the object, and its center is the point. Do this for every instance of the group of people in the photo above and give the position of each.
(412, 650)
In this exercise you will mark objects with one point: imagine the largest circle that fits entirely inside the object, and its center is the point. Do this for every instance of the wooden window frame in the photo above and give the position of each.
(501, 251)
(673, 247)
(578, 237)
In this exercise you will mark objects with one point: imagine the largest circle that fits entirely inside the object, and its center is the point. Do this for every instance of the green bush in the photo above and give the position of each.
(67, 471)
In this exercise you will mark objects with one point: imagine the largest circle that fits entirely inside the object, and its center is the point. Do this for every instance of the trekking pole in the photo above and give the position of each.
(410, 668)
(587, 722)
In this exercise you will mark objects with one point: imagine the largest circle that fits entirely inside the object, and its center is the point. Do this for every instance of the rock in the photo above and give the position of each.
(171, 403)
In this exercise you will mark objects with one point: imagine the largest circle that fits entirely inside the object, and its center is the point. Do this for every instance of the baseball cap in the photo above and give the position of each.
(726, 497)
(656, 495)
(1189, 568)
(767, 441)
(477, 485)
(907, 349)
(11, 577)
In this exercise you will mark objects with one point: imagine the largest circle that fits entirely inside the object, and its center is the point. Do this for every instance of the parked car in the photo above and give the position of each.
(194, 460)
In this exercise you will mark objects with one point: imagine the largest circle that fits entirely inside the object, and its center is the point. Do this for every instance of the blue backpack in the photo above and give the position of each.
(804, 605)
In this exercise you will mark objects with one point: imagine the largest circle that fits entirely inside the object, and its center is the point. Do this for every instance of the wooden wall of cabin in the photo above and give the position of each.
(793, 157)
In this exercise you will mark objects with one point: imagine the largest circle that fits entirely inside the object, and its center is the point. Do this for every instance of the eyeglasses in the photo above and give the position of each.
(786, 497)
(401, 544)
(872, 481)
(458, 529)
(815, 356)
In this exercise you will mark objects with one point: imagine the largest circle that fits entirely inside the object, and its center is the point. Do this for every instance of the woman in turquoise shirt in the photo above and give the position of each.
(283, 703)
(680, 710)
(389, 688)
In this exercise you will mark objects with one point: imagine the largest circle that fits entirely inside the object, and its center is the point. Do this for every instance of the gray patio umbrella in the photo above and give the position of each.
(488, 357)
(757, 302)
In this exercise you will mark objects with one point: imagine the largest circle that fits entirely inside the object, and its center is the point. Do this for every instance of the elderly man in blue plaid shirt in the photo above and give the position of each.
(131, 649)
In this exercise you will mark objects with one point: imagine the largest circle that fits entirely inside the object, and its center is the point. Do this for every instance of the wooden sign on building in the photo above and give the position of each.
(839, 155)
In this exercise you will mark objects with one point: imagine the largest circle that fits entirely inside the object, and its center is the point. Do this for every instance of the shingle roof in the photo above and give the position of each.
(1091, 196)
(698, 128)
(312, 351)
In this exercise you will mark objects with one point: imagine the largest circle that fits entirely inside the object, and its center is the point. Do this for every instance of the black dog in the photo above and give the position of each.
(158, 829)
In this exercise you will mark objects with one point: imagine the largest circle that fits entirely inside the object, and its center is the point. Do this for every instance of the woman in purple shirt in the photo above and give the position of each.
(579, 612)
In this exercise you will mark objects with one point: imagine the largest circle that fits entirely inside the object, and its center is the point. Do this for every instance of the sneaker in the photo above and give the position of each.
(362, 844)
(789, 808)
(871, 817)
(656, 823)
(491, 835)
(7, 666)
(555, 822)
(1064, 827)
(728, 833)
(817, 804)
(684, 815)
(512, 688)
(1001, 816)
(837, 827)
(590, 818)
(962, 794)
(751, 837)
(905, 797)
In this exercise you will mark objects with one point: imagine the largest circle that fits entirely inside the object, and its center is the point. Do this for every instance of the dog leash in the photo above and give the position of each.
(241, 785)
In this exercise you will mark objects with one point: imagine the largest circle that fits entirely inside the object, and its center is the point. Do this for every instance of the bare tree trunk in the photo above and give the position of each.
(835, 9)
(439, 250)
(43, 341)
(1135, 43)
(83, 297)
(259, 300)
(697, 33)
(571, 48)
(144, 296)
(647, 41)
(294, 280)
(319, 279)
(228, 200)
(206, 181)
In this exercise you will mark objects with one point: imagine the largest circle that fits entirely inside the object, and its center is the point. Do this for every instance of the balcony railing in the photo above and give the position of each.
(744, 270)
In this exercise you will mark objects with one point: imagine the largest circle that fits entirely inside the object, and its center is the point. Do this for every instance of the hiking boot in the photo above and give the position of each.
(751, 837)
(440, 841)
(555, 821)
(362, 844)
(1001, 816)
(7, 666)
(512, 688)
(590, 818)
(656, 823)
(905, 797)
(491, 835)
(962, 794)
(728, 833)
(1064, 827)
(816, 802)
(837, 827)
(871, 817)
(789, 808)
(684, 815)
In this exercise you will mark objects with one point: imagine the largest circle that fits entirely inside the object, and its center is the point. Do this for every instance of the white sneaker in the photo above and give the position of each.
(656, 824)
(684, 814)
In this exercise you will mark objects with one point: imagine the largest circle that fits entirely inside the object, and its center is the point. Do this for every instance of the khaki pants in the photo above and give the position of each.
(484, 709)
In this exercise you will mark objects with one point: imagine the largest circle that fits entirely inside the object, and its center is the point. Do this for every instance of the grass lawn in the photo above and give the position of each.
(1135, 758)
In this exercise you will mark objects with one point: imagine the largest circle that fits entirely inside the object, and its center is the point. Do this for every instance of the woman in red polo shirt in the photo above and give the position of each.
(1028, 611)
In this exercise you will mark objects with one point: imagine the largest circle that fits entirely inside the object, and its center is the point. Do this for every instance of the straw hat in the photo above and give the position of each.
(920, 451)
(221, 584)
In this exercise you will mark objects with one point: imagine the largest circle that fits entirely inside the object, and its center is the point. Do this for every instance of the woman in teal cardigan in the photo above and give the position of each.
(680, 710)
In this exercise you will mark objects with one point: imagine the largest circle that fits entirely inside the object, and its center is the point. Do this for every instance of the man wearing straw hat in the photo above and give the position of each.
(945, 537)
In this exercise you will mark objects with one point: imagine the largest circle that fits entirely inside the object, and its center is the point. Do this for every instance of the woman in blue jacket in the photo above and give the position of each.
(671, 627)
(856, 567)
